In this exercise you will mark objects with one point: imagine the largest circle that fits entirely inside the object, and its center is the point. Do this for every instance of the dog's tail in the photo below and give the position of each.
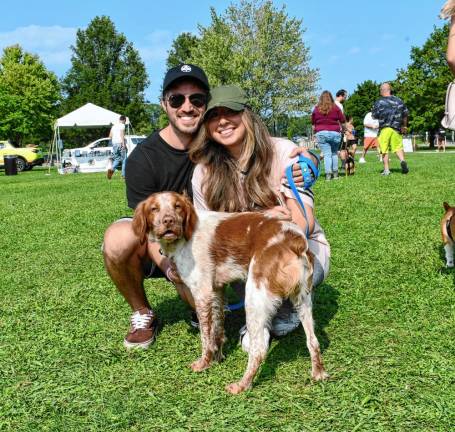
(298, 244)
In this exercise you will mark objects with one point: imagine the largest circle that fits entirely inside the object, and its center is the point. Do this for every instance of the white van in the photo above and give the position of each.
(94, 157)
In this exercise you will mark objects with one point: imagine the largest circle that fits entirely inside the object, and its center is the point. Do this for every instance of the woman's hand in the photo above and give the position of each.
(296, 171)
(279, 212)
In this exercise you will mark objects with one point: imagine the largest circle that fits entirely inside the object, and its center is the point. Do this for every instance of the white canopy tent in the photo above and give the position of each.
(87, 116)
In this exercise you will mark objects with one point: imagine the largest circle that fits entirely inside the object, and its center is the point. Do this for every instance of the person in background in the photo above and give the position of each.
(440, 138)
(392, 114)
(327, 120)
(370, 135)
(448, 11)
(117, 136)
(340, 97)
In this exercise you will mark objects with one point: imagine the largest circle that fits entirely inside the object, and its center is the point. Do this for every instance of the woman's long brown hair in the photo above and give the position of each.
(232, 185)
(326, 102)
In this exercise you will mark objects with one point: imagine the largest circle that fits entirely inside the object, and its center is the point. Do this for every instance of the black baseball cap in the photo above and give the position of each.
(185, 71)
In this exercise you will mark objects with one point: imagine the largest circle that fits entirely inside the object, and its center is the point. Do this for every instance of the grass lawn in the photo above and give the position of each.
(385, 318)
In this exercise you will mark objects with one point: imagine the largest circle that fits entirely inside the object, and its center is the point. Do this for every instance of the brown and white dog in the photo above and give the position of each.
(211, 249)
(448, 231)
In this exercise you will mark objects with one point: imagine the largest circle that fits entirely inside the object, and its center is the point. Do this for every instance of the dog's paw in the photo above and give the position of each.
(320, 375)
(235, 388)
(199, 365)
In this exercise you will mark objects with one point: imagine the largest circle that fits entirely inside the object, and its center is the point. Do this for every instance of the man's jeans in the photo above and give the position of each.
(329, 143)
(119, 157)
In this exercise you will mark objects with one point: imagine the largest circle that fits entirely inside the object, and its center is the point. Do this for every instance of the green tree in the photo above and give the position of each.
(259, 47)
(361, 101)
(422, 85)
(182, 49)
(29, 95)
(107, 71)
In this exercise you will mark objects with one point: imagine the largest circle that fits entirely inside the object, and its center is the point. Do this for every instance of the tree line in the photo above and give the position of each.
(252, 43)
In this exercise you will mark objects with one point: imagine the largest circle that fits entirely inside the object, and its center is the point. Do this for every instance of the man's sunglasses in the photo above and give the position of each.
(196, 99)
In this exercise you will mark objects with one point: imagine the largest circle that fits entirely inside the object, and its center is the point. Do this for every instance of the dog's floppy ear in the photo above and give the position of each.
(190, 220)
(446, 206)
(140, 225)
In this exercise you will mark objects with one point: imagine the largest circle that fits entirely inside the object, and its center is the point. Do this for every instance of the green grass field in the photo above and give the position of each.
(385, 318)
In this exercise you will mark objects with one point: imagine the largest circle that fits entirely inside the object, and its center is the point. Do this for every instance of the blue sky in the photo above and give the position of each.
(350, 41)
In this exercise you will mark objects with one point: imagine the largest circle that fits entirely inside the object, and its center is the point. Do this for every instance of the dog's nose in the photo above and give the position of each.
(168, 220)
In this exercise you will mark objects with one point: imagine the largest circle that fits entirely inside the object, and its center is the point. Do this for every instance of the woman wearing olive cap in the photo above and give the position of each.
(240, 168)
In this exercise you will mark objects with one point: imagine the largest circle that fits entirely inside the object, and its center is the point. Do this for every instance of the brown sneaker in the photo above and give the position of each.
(110, 173)
(143, 329)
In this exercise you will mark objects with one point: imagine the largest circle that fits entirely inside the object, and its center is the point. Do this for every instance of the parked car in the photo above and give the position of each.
(94, 156)
(27, 157)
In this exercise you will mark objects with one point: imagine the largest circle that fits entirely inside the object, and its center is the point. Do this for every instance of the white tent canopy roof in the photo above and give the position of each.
(89, 115)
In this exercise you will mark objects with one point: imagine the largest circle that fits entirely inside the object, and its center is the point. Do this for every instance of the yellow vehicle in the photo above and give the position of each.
(27, 157)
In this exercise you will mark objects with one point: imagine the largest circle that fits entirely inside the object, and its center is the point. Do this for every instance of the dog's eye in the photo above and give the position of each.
(154, 209)
(178, 206)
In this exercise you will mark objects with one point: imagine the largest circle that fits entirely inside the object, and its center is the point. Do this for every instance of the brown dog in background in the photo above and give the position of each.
(349, 166)
(448, 231)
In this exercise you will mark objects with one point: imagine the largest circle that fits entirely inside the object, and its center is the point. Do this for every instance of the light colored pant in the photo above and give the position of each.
(119, 157)
(329, 143)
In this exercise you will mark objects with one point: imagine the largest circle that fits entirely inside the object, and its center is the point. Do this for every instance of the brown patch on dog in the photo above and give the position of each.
(237, 237)
(280, 264)
(155, 215)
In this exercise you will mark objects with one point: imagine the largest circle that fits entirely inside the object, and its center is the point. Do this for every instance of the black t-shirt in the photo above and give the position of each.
(155, 166)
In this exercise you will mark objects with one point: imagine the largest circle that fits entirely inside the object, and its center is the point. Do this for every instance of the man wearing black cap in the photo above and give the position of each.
(159, 163)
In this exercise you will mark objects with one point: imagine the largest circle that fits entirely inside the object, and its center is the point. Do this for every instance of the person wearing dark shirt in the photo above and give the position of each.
(392, 114)
(327, 120)
(160, 163)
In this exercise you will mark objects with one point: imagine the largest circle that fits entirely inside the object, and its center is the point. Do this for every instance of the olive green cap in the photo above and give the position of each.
(229, 96)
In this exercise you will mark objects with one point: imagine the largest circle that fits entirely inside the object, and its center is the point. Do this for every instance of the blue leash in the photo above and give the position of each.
(310, 174)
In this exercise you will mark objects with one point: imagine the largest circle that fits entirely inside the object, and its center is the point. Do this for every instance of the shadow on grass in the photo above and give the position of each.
(292, 346)
(288, 348)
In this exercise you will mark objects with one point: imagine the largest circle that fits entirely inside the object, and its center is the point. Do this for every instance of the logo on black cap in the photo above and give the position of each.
(185, 68)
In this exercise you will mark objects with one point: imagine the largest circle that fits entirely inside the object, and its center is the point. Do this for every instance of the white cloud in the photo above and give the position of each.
(354, 50)
(51, 44)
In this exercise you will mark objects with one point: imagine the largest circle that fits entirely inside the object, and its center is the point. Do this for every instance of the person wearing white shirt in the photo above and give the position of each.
(370, 135)
(340, 97)
(117, 136)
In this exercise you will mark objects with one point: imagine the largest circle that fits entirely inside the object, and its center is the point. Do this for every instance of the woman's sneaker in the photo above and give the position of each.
(194, 320)
(143, 329)
(245, 338)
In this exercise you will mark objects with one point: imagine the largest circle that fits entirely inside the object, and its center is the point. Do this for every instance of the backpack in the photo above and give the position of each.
(448, 121)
